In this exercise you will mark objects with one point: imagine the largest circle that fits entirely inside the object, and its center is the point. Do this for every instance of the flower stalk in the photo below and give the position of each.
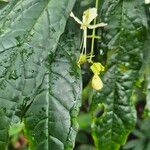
(88, 16)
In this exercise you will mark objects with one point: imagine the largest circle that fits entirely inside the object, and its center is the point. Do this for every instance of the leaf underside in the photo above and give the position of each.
(124, 37)
(39, 80)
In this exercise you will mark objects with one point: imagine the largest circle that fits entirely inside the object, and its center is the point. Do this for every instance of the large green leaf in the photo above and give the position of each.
(124, 39)
(39, 80)
(146, 61)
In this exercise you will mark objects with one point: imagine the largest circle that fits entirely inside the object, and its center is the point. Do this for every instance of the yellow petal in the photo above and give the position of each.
(89, 15)
(97, 83)
(97, 68)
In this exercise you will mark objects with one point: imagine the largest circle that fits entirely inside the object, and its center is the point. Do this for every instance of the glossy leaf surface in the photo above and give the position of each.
(124, 41)
(39, 79)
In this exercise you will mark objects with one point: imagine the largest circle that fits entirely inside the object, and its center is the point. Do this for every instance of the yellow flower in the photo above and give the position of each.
(97, 83)
(97, 68)
(88, 16)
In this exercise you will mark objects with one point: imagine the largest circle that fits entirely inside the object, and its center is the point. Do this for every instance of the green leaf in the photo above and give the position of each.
(3, 3)
(142, 135)
(16, 128)
(84, 121)
(123, 41)
(39, 78)
(131, 144)
(146, 62)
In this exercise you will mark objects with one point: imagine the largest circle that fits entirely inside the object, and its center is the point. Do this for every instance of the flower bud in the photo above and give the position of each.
(97, 83)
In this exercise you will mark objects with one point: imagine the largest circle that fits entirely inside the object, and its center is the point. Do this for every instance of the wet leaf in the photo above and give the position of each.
(124, 37)
(39, 79)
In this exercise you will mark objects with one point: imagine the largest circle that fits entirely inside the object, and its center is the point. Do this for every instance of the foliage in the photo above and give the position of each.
(40, 77)
(142, 141)
(124, 40)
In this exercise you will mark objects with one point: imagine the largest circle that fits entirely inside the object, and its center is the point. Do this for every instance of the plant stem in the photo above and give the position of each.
(93, 34)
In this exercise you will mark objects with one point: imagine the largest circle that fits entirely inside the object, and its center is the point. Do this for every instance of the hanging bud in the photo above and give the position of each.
(97, 68)
(97, 83)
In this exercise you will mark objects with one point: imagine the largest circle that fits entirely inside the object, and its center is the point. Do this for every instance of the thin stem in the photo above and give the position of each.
(81, 46)
(85, 39)
(93, 34)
